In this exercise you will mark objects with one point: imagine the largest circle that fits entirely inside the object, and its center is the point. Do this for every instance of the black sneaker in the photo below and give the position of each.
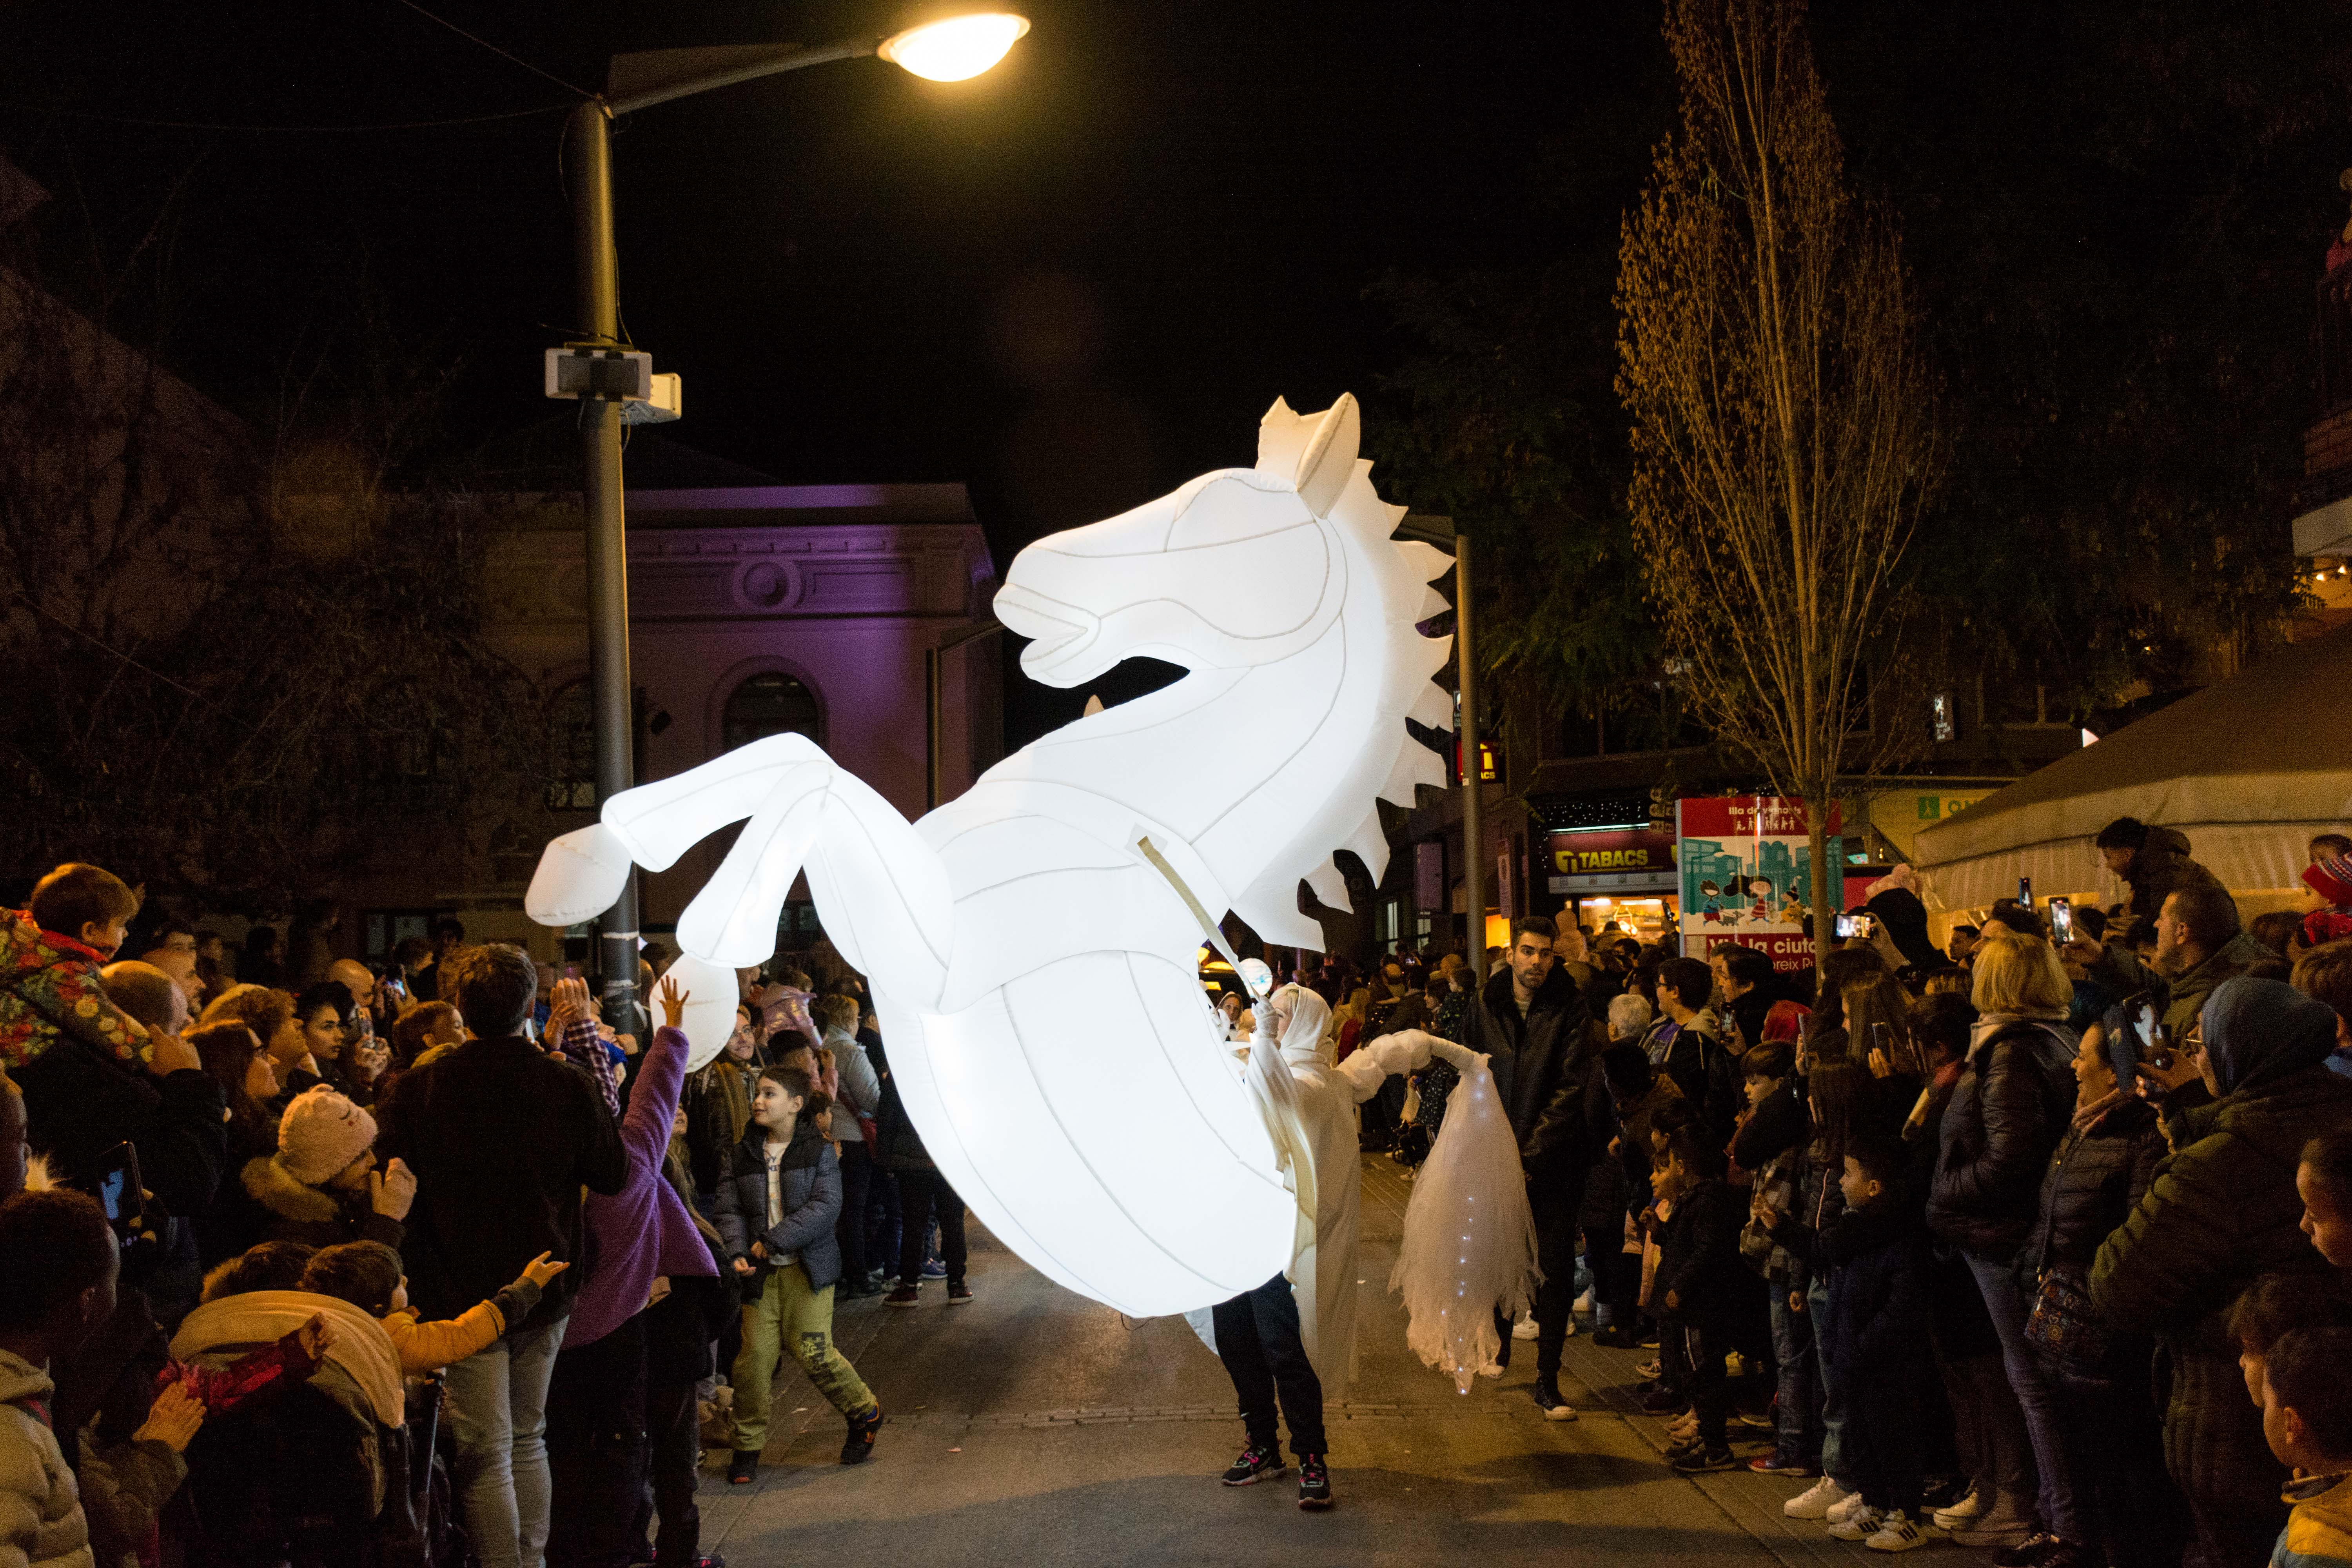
(1614, 1337)
(1546, 1390)
(1703, 1459)
(1255, 1465)
(743, 1467)
(859, 1446)
(1314, 1483)
(959, 1293)
(1663, 1402)
(2031, 1552)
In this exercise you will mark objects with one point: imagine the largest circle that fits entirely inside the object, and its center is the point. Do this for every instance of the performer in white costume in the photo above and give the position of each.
(1290, 1340)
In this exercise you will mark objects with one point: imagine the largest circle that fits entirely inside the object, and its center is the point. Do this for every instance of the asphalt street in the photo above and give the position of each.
(1035, 1426)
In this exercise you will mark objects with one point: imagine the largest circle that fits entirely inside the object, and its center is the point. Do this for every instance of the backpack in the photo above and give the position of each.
(1725, 1094)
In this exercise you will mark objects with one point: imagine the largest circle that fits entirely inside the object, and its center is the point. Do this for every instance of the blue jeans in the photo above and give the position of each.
(2009, 1302)
(498, 1418)
(1833, 1402)
(1798, 1438)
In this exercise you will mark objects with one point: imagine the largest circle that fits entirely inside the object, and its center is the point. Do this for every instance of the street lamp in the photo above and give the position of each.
(947, 44)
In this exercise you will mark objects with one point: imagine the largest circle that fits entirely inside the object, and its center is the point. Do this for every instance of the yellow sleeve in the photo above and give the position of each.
(429, 1347)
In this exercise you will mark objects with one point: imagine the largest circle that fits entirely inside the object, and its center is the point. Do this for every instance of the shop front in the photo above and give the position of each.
(1623, 876)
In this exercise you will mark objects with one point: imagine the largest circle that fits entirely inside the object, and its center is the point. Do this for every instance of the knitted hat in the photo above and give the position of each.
(320, 1133)
(2331, 879)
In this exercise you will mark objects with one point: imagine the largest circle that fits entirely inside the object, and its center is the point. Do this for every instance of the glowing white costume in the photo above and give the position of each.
(1458, 1261)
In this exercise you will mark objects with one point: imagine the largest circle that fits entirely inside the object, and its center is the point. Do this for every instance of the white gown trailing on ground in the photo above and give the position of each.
(1033, 971)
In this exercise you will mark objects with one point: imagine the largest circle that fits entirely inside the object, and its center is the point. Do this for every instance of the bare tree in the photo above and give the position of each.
(1784, 440)
(241, 657)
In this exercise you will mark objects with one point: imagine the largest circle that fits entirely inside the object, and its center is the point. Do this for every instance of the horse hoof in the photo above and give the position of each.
(579, 876)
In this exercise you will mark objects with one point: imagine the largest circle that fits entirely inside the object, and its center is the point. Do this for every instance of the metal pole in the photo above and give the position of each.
(611, 694)
(1473, 835)
(931, 729)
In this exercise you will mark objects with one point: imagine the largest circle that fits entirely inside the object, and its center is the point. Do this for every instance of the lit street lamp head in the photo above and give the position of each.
(955, 49)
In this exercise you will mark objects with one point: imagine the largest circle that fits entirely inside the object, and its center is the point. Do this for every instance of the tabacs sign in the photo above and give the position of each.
(1624, 859)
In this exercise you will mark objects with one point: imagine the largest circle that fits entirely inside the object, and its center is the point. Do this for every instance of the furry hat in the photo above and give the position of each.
(320, 1133)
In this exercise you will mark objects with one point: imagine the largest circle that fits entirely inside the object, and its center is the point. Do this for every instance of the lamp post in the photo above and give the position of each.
(951, 47)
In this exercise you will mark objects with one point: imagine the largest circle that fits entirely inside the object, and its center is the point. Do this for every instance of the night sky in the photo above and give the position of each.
(1071, 283)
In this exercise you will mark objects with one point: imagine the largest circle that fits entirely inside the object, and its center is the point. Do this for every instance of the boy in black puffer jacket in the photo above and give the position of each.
(1876, 1337)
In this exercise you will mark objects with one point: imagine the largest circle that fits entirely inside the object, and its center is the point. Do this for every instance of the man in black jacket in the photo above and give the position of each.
(501, 1139)
(1530, 1021)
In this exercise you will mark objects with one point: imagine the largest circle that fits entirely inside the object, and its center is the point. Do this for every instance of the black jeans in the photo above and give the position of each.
(1558, 1201)
(1703, 1346)
(596, 1449)
(920, 1194)
(674, 1437)
(1258, 1340)
(857, 1181)
(1881, 1434)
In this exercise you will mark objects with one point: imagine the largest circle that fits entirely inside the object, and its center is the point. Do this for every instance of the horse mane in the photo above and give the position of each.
(1400, 572)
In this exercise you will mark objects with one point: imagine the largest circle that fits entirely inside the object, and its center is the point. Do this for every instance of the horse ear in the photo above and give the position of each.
(1329, 461)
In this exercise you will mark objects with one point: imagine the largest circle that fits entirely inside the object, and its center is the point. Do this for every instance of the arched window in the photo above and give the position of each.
(572, 762)
(768, 703)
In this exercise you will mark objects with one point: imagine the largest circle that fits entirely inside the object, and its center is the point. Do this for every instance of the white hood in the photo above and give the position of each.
(1306, 1040)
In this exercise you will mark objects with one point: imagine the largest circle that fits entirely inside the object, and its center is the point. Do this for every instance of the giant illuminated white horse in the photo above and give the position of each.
(1033, 971)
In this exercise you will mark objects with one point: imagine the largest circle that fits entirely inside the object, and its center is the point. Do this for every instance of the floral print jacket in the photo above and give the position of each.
(48, 986)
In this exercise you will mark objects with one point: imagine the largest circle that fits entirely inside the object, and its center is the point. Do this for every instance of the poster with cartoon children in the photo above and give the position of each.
(1746, 875)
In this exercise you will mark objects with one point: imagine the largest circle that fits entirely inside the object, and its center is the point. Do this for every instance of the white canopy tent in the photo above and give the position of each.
(2249, 768)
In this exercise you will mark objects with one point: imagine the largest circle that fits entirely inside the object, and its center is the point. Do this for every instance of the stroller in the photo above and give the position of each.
(309, 1479)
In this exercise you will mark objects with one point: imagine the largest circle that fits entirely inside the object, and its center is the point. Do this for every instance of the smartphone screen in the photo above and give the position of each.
(2061, 922)
(117, 1188)
(1844, 926)
(2025, 891)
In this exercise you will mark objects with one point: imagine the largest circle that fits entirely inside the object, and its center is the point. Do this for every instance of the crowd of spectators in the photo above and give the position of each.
(304, 1261)
(2035, 1243)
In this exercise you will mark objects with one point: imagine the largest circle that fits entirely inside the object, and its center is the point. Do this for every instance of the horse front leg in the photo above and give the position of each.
(882, 892)
(582, 873)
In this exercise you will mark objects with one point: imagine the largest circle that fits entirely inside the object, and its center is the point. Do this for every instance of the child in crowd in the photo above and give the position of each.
(1698, 1289)
(367, 1274)
(1875, 1338)
(2307, 1421)
(2323, 1179)
(1772, 1141)
(779, 1201)
(50, 953)
(58, 1272)
(321, 1186)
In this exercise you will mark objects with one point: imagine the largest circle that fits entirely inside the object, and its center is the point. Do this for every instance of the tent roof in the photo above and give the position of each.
(2248, 768)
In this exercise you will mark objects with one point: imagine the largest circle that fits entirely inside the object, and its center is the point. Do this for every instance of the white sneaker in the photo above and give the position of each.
(1860, 1525)
(1959, 1514)
(1896, 1532)
(1524, 1329)
(1583, 1307)
(1816, 1501)
(1844, 1509)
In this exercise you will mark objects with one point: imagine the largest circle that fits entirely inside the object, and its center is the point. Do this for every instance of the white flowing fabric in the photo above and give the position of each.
(1469, 1242)
(1469, 1238)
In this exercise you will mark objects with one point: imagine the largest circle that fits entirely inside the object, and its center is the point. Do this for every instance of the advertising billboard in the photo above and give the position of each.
(1746, 876)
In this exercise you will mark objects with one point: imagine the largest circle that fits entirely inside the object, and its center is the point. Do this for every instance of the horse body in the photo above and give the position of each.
(1034, 973)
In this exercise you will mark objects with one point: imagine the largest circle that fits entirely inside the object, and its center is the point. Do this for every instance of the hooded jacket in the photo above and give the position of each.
(2218, 1214)
(41, 1521)
(1876, 1325)
(2014, 1101)
(2161, 867)
(643, 1230)
(315, 1217)
(50, 989)
(1547, 1072)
